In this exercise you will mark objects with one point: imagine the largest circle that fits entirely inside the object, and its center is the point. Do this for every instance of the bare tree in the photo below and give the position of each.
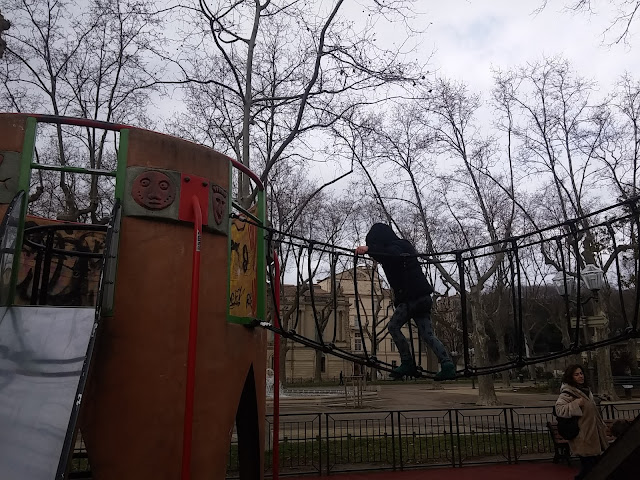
(87, 59)
(561, 130)
(4, 25)
(275, 75)
(459, 209)
(621, 20)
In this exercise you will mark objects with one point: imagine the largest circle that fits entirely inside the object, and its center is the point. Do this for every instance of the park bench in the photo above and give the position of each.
(627, 382)
(561, 446)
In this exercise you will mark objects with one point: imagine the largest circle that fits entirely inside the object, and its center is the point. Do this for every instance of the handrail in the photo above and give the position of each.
(85, 122)
(69, 440)
(276, 375)
(244, 169)
(61, 251)
(77, 121)
(16, 202)
(187, 433)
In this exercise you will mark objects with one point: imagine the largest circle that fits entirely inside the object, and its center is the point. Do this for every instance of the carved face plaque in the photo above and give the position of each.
(153, 190)
(219, 203)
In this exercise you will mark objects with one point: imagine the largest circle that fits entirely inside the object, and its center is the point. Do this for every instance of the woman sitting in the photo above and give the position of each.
(576, 400)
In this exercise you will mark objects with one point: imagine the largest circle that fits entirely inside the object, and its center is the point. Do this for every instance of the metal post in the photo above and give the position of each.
(393, 442)
(400, 440)
(275, 464)
(453, 451)
(513, 434)
(187, 433)
(463, 310)
(506, 431)
(46, 269)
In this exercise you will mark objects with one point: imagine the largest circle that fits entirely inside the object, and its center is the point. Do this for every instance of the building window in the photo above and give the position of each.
(394, 364)
(323, 364)
(357, 345)
(393, 346)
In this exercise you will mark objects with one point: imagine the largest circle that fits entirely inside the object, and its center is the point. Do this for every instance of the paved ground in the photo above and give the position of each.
(407, 396)
(523, 471)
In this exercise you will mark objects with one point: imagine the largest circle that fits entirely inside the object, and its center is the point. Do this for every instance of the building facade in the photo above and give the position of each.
(337, 320)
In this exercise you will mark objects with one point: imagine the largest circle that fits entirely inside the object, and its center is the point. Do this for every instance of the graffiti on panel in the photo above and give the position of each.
(70, 280)
(243, 274)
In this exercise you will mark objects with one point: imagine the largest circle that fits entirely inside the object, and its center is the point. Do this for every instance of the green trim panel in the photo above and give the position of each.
(24, 184)
(261, 263)
(121, 169)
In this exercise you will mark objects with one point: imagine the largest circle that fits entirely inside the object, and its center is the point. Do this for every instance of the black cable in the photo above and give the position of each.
(623, 307)
(520, 329)
(334, 299)
(355, 289)
(319, 330)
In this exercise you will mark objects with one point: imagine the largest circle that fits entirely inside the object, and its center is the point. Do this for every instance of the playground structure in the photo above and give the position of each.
(158, 363)
(156, 372)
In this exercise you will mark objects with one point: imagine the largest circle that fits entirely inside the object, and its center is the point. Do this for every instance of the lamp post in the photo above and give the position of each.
(592, 277)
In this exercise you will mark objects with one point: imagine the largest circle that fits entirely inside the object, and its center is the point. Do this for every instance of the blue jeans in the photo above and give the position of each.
(420, 311)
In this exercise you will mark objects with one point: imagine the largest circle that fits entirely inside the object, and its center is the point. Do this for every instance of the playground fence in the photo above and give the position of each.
(358, 441)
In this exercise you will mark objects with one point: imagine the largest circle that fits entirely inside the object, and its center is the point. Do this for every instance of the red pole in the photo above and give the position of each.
(193, 335)
(276, 375)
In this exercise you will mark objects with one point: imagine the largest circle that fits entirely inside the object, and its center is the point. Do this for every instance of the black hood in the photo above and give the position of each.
(381, 234)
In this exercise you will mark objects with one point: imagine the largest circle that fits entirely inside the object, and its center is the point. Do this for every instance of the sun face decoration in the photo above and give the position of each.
(219, 203)
(153, 190)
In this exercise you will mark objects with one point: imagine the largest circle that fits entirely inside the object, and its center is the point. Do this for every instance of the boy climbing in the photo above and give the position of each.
(412, 298)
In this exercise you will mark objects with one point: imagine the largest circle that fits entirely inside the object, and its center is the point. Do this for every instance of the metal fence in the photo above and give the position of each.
(348, 441)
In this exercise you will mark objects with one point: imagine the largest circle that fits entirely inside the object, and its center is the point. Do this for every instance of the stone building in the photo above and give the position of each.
(376, 307)
(305, 363)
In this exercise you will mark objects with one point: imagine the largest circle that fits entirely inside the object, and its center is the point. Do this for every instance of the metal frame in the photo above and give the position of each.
(510, 249)
(329, 443)
(69, 441)
(27, 165)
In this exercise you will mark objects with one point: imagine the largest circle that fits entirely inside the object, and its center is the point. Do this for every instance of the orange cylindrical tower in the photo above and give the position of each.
(133, 417)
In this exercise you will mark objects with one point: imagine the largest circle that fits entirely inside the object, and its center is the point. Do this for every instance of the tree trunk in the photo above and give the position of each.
(566, 341)
(486, 389)
(528, 349)
(502, 349)
(603, 362)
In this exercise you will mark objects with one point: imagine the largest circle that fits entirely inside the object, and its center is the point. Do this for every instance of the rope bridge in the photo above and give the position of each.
(493, 282)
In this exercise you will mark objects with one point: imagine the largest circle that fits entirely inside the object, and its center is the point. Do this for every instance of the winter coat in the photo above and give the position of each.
(399, 262)
(592, 439)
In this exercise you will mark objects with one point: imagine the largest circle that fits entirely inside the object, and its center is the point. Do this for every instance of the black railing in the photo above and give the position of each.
(348, 441)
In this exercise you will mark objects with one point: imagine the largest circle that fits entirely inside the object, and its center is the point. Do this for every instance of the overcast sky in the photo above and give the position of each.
(472, 36)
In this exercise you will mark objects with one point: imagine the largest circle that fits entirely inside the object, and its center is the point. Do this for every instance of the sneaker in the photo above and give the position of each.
(405, 369)
(447, 372)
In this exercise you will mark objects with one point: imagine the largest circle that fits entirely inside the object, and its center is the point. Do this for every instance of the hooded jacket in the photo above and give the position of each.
(400, 265)
(592, 439)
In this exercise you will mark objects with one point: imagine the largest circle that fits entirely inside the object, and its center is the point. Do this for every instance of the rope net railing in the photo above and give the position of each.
(543, 295)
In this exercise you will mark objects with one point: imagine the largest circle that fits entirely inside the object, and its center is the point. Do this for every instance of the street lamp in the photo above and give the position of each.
(592, 277)
(558, 280)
